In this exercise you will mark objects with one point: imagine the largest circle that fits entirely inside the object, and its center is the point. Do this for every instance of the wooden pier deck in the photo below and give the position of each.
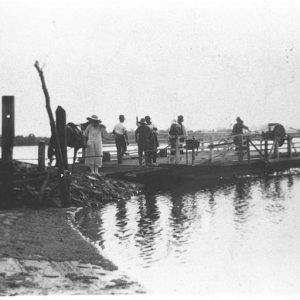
(212, 160)
(223, 166)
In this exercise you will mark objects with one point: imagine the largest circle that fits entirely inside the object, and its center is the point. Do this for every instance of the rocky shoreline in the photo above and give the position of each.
(42, 253)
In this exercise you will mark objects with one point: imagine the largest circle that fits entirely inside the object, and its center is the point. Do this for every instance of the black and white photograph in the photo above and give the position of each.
(150, 148)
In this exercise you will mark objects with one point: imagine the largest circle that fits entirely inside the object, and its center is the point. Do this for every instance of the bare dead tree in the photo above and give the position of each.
(50, 114)
(63, 173)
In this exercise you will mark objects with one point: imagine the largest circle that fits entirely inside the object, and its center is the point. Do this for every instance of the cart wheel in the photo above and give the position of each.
(279, 133)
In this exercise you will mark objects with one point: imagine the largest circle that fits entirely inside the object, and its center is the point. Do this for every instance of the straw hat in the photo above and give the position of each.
(94, 118)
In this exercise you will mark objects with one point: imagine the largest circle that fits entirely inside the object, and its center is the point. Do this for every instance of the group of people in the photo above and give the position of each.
(145, 136)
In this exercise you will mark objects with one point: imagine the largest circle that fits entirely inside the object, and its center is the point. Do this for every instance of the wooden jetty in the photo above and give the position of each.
(214, 159)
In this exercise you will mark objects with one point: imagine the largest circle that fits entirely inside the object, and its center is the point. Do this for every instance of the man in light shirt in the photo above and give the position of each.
(121, 138)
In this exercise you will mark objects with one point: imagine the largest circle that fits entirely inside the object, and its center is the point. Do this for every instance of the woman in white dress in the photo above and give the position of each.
(93, 134)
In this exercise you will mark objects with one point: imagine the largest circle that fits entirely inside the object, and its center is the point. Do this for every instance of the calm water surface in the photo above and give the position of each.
(236, 236)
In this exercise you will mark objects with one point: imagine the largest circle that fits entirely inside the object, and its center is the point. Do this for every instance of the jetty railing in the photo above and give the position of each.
(243, 147)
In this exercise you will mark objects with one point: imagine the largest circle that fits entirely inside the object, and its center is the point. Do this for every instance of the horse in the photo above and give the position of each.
(75, 139)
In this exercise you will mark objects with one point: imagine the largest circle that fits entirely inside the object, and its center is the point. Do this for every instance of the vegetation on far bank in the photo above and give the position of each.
(29, 140)
(32, 140)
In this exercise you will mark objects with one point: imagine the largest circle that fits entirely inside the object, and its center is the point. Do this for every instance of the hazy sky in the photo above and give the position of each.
(208, 60)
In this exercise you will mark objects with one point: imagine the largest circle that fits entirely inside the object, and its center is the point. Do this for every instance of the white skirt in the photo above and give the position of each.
(93, 153)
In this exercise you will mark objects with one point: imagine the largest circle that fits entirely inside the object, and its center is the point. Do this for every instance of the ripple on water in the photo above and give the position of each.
(217, 234)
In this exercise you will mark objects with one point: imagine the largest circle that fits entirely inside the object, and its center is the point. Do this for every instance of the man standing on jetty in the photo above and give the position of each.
(238, 127)
(237, 132)
(143, 138)
(121, 138)
(182, 134)
(153, 145)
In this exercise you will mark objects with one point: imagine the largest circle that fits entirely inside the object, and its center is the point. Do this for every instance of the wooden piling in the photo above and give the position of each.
(8, 127)
(41, 156)
(8, 135)
(62, 138)
(61, 132)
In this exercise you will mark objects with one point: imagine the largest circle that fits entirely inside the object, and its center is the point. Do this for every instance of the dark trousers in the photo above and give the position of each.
(152, 155)
(121, 147)
(143, 149)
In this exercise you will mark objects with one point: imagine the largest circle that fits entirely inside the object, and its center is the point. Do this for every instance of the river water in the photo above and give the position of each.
(235, 236)
(238, 236)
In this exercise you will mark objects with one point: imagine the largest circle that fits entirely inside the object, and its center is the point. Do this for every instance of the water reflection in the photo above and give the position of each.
(290, 180)
(212, 201)
(218, 234)
(242, 195)
(121, 220)
(91, 225)
(147, 234)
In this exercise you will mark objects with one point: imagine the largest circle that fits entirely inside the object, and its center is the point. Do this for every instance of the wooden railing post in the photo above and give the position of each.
(177, 151)
(289, 146)
(41, 156)
(186, 155)
(240, 154)
(202, 146)
(266, 150)
(248, 149)
(8, 135)
(276, 149)
(193, 156)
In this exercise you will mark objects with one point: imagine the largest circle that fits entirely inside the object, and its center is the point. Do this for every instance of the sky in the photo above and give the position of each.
(210, 61)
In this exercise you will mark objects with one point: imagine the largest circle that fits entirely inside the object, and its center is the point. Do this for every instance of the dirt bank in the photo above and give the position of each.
(40, 253)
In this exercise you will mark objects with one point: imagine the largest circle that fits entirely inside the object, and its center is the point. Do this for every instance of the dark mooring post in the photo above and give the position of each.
(41, 156)
(62, 138)
(8, 135)
(61, 131)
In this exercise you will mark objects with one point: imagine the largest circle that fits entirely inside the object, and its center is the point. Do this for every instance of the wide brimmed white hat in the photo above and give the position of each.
(94, 118)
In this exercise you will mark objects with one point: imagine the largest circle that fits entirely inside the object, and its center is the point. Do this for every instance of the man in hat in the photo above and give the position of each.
(182, 133)
(121, 138)
(239, 126)
(153, 145)
(93, 134)
(237, 132)
(143, 138)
